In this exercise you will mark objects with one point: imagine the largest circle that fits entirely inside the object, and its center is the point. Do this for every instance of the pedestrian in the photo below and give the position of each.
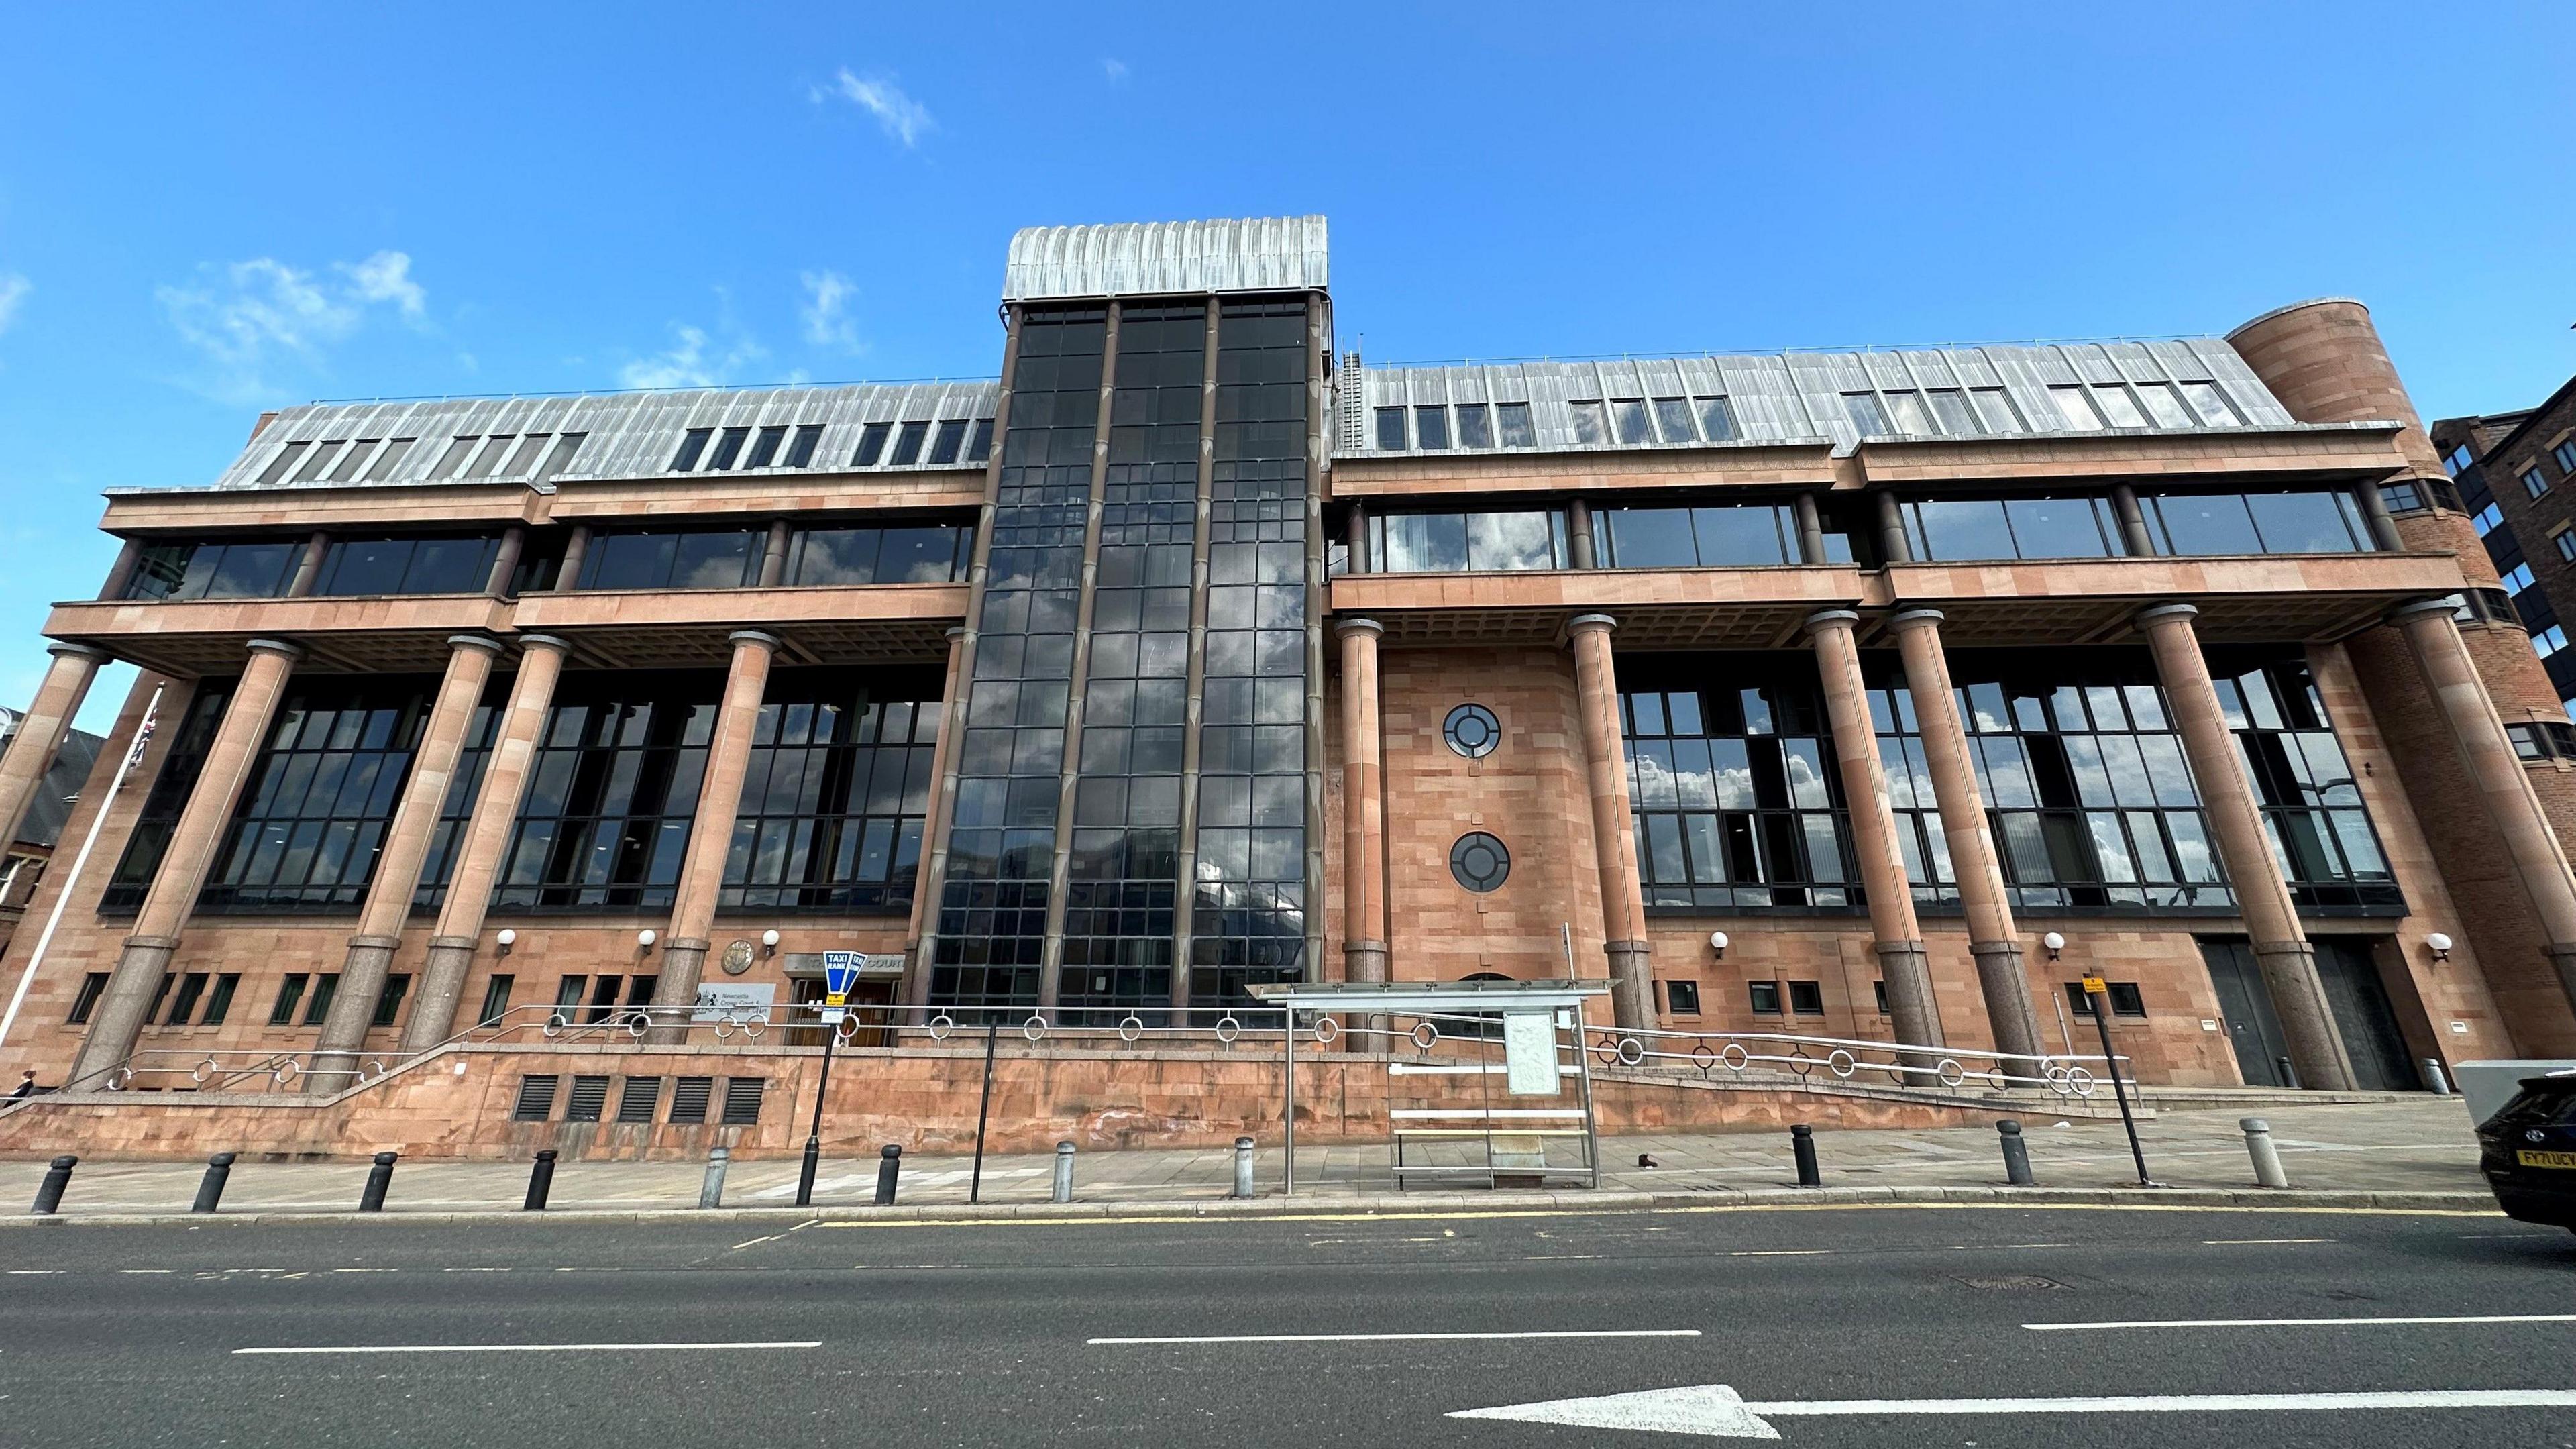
(26, 1085)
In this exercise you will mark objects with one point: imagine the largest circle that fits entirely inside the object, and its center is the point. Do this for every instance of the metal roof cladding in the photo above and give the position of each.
(1259, 254)
(1803, 397)
(629, 435)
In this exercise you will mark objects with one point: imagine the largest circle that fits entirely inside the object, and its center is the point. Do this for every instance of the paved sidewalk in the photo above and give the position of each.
(2422, 1145)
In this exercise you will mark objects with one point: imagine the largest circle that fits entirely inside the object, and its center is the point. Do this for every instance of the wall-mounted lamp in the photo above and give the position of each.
(2441, 945)
(1717, 943)
(504, 941)
(769, 943)
(2055, 944)
(643, 942)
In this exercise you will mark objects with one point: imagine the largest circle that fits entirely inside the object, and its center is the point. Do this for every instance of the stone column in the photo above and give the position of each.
(1579, 536)
(40, 734)
(773, 555)
(576, 548)
(184, 863)
(2135, 540)
(2374, 508)
(120, 574)
(309, 567)
(487, 835)
(693, 908)
(916, 969)
(389, 891)
(1811, 529)
(1614, 833)
(1901, 960)
(1363, 820)
(2281, 948)
(1893, 545)
(505, 561)
(2503, 789)
(1992, 938)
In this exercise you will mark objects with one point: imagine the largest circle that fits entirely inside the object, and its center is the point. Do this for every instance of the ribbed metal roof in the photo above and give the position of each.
(623, 435)
(1259, 254)
(60, 788)
(1811, 397)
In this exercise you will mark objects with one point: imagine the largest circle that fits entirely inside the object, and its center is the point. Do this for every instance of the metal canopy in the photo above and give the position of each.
(1431, 996)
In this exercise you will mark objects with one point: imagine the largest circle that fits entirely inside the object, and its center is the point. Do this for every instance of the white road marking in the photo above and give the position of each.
(2304, 1322)
(1408, 1337)
(1780, 1253)
(1717, 1411)
(366, 1270)
(36, 1272)
(147, 1270)
(525, 1347)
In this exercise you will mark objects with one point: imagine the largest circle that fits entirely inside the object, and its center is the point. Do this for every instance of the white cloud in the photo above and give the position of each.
(246, 315)
(825, 310)
(386, 277)
(1116, 70)
(900, 116)
(14, 288)
(693, 361)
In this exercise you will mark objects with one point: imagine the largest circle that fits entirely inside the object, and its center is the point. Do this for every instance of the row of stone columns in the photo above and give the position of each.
(2234, 815)
(131, 987)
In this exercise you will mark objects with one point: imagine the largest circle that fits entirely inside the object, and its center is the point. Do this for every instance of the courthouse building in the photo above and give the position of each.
(1875, 695)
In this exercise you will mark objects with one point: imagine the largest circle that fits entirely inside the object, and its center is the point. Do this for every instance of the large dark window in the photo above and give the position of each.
(191, 735)
(611, 793)
(406, 566)
(936, 553)
(2311, 800)
(2224, 523)
(1249, 911)
(1664, 538)
(1737, 800)
(2091, 803)
(1404, 543)
(447, 837)
(1123, 876)
(313, 816)
(662, 559)
(245, 569)
(991, 933)
(833, 799)
(1969, 528)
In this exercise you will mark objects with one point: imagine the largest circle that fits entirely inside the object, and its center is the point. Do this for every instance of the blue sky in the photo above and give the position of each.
(209, 210)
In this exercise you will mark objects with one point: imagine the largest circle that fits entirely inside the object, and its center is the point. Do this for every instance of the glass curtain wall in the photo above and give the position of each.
(312, 819)
(835, 793)
(1248, 922)
(990, 940)
(193, 733)
(611, 793)
(2311, 802)
(1737, 798)
(1123, 873)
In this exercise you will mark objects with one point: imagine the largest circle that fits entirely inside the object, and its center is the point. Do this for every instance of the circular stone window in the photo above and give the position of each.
(1480, 862)
(1472, 731)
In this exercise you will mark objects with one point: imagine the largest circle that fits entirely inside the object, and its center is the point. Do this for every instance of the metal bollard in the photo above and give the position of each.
(49, 1193)
(1063, 1173)
(2434, 1081)
(2267, 1158)
(2289, 1073)
(210, 1190)
(541, 1181)
(379, 1177)
(889, 1163)
(1242, 1168)
(711, 1192)
(1802, 1141)
(2016, 1154)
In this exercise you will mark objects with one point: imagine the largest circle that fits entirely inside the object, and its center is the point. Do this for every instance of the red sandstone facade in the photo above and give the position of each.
(2468, 931)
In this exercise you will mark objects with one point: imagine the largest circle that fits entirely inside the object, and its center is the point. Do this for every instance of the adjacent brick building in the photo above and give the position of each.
(1193, 654)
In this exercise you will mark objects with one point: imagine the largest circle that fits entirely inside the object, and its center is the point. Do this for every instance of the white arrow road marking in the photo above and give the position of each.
(1716, 1411)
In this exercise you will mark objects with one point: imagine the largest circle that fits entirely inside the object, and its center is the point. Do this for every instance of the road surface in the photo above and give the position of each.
(1851, 1327)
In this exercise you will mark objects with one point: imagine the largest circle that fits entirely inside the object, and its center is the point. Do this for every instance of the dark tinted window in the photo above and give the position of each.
(801, 452)
(764, 449)
(728, 448)
(721, 559)
(1431, 426)
(1515, 420)
(907, 445)
(1390, 429)
(872, 441)
(952, 436)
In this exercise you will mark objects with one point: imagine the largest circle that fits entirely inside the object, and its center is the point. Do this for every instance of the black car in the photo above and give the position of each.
(2528, 1151)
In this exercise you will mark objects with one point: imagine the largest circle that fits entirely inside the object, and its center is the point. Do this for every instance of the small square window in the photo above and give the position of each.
(1514, 421)
(952, 437)
(907, 443)
(2122, 996)
(1390, 430)
(872, 443)
(1682, 997)
(980, 446)
(728, 449)
(764, 449)
(2532, 481)
(800, 453)
(1717, 420)
(93, 986)
(1591, 424)
(1878, 996)
(1634, 426)
(1431, 426)
(2456, 461)
(693, 446)
(2565, 541)
(496, 1000)
(1475, 426)
(1806, 998)
(1673, 419)
(1765, 997)
(2565, 454)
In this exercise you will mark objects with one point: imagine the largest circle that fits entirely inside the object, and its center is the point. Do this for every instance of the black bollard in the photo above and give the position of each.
(379, 1177)
(49, 1193)
(210, 1191)
(2016, 1153)
(1802, 1141)
(805, 1172)
(887, 1166)
(2289, 1073)
(541, 1180)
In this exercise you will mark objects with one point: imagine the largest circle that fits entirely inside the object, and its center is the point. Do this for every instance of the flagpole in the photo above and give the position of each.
(62, 898)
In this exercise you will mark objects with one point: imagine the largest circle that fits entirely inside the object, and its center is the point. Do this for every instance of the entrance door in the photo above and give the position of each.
(2350, 972)
(2246, 1007)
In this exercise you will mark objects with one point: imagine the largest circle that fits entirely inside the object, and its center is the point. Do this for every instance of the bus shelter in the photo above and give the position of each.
(1496, 1066)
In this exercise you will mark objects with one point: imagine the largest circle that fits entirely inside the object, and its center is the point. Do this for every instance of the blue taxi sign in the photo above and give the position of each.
(841, 971)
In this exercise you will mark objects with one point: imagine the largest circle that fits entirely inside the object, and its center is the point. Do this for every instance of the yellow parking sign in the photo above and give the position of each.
(2096, 986)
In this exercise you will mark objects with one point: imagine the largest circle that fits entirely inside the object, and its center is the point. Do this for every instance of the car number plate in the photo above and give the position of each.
(2545, 1159)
